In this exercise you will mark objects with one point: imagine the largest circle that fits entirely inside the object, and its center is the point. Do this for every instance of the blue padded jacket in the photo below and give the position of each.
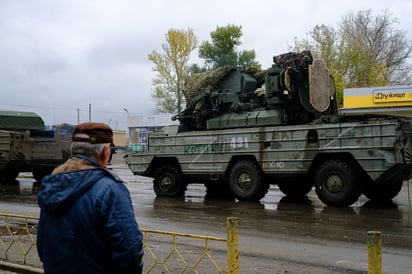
(87, 224)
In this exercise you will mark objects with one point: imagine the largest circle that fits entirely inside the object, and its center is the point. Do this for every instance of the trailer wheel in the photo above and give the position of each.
(336, 183)
(247, 181)
(382, 191)
(168, 181)
(295, 189)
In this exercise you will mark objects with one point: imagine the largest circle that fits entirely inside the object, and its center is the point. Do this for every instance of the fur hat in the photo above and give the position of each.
(94, 133)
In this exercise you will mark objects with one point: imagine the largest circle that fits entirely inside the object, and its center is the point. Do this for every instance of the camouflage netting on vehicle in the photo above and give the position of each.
(231, 89)
(293, 60)
(199, 83)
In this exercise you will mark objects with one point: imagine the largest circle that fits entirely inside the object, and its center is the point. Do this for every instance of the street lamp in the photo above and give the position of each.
(127, 128)
(127, 122)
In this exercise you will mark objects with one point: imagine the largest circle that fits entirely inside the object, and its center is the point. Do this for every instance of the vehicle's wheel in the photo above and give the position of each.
(247, 181)
(218, 190)
(296, 189)
(382, 191)
(336, 183)
(168, 181)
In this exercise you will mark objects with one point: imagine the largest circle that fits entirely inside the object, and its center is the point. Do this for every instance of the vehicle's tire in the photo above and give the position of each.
(296, 189)
(382, 191)
(336, 183)
(168, 181)
(219, 190)
(247, 181)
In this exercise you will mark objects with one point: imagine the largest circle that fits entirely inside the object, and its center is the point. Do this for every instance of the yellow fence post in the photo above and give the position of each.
(232, 245)
(374, 252)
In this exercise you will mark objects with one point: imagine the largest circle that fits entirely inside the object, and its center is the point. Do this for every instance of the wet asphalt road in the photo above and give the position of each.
(276, 235)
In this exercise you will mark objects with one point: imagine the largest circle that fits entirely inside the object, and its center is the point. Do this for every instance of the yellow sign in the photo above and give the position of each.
(380, 96)
(377, 97)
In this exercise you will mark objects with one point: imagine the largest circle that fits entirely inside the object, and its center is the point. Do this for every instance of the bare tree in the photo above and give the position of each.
(364, 51)
(380, 50)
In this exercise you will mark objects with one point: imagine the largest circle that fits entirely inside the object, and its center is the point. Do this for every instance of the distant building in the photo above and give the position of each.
(140, 126)
(119, 138)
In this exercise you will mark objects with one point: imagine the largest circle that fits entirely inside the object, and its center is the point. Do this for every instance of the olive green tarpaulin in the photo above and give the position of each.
(20, 120)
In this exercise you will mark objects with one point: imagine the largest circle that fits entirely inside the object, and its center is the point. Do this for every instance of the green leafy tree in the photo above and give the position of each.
(223, 49)
(172, 69)
(364, 51)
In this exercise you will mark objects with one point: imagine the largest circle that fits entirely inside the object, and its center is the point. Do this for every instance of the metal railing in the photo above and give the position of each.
(165, 252)
(18, 243)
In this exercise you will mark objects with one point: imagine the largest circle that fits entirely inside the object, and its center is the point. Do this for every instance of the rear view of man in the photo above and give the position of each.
(87, 223)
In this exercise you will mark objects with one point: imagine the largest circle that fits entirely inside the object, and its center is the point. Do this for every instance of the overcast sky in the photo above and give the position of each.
(59, 57)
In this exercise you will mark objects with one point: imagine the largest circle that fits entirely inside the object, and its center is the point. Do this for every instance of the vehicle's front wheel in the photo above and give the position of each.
(168, 181)
(336, 183)
(247, 181)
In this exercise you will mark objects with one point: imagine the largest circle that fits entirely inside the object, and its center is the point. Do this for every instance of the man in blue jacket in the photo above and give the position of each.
(87, 223)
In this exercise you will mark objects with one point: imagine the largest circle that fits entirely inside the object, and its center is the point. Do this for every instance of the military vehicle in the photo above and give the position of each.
(26, 146)
(243, 131)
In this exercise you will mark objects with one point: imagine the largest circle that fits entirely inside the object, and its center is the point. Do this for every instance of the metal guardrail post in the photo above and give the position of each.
(232, 245)
(374, 252)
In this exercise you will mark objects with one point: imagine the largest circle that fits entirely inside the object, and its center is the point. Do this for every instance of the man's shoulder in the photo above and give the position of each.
(112, 176)
(110, 180)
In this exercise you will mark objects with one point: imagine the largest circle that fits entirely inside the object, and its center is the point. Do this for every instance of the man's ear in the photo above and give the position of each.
(107, 152)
